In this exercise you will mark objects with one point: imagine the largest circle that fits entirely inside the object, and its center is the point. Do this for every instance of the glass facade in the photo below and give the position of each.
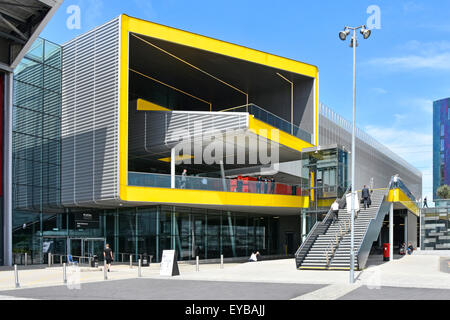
(150, 230)
(441, 143)
(36, 146)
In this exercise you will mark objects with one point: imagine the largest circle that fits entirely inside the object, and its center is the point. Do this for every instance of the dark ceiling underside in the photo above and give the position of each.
(18, 21)
(254, 79)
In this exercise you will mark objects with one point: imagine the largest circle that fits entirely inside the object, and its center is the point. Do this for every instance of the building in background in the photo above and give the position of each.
(96, 126)
(441, 145)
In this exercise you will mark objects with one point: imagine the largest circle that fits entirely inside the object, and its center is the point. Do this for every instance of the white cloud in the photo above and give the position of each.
(417, 104)
(410, 144)
(379, 90)
(439, 61)
(412, 6)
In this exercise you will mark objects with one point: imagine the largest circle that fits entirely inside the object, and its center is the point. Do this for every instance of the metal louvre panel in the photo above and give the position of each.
(158, 131)
(90, 117)
(372, 158)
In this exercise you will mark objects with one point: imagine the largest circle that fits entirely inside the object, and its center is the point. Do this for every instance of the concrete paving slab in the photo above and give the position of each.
(158, 289)
(393, 293)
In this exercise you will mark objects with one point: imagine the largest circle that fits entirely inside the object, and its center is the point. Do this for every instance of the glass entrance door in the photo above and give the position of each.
(94, 247)
(86, 247)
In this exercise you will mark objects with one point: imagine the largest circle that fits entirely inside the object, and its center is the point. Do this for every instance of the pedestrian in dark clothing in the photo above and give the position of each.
(239, 184)
(258, 184)
(365, 194)
(108, 255)
(272, 185)
(266, 182)
(425, 204)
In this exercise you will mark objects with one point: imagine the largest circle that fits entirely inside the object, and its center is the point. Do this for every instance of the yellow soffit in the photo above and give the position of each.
(265, 130)
(144, 105)
(205, 197)
(186, 38)
(400, 197)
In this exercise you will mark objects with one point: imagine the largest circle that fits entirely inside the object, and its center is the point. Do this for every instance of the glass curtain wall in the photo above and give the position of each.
(36, 148)
(150, 230)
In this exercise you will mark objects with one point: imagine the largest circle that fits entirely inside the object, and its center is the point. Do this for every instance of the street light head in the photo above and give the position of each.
(365, 32)
(343, 34)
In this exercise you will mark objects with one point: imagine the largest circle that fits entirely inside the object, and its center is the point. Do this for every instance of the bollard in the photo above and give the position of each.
(221, 261)
(64, 273)
(16, 276)
(105, 272)
(197, 267)
(26, 258)
(131, 261)
(122, 257)
(139, 269)
(49, 259)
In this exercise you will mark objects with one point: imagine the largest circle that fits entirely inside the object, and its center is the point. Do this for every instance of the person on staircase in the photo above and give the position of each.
(365, 194)
(335, 209)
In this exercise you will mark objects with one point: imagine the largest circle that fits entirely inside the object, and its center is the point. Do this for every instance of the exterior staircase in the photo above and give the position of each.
(329, 242)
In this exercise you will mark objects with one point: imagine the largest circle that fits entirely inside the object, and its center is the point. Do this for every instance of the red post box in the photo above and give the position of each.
(387, 247)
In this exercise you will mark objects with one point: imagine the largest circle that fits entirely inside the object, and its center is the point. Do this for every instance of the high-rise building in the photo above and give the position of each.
(441, 144)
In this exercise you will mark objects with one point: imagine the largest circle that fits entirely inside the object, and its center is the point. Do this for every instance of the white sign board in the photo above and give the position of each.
(348, 199)
(169, 265)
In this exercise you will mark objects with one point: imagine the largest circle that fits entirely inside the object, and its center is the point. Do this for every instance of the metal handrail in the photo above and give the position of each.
(293, 127)
(371, 221)
(313, 229)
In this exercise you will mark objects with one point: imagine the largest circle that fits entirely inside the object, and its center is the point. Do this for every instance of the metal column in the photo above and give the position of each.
(7, 171)
(391, 232)
(172, 168)
(406, 228)
(303, 225)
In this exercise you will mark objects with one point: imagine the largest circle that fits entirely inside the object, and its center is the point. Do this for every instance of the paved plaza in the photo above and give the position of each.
(405, 278)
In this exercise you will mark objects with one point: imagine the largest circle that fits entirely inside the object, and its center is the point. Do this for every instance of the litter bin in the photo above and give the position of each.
(145, 260)
(386, 251)
(94, 261)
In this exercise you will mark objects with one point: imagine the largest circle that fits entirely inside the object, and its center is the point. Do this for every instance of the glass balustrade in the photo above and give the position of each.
(244, 185)
(273, 120)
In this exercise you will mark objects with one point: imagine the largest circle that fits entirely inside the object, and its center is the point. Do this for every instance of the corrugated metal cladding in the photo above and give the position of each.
(90, 117)
(159, 131)
(373, 160)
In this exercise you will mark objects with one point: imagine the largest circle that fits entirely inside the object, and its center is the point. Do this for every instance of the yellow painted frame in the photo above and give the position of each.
(143, 194)
(397, 195)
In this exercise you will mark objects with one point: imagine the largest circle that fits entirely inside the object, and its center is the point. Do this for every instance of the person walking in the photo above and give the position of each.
(239, 184)
(266, 182)
(425, 204)
(335, 209)
(108, 256)
(365, 194)
(272, 185)
(183, 179)
(258, 184)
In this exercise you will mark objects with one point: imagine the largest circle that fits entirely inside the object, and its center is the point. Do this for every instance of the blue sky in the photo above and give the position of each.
(402, 67)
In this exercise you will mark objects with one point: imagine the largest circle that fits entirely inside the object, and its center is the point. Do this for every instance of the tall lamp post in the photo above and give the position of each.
(353, 44)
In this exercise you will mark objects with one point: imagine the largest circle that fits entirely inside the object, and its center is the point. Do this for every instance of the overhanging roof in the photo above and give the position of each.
(21, 22)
